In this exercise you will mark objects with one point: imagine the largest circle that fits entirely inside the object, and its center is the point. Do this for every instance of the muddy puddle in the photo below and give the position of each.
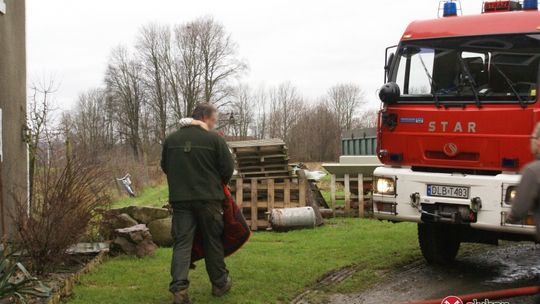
(492, 268)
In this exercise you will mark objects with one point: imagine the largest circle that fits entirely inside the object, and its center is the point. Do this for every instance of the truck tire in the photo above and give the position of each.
(439, 243)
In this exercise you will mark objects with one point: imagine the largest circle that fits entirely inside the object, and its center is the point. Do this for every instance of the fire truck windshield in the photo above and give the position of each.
(487, 69)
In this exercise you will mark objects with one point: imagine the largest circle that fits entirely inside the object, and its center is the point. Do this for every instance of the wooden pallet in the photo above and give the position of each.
(256, 143)
(258, 197)
(261, 158)
(266, 168)
(267, 152)
(353, 185)
(268, 174)
(260, 147)
(253, 161)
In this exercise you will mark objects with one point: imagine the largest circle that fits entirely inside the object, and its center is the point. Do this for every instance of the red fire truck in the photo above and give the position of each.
(458, 107)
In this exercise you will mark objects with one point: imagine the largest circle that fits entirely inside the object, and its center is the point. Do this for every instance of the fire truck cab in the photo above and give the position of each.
(454, 129)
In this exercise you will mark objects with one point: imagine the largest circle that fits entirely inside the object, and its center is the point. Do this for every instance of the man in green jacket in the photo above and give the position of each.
(197, 164)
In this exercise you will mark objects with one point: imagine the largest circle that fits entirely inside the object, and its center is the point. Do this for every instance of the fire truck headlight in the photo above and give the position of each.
(385, 185)
(510, 195)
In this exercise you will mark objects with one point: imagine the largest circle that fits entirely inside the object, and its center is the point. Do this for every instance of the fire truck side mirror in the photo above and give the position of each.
(388, 65)
(389, 93)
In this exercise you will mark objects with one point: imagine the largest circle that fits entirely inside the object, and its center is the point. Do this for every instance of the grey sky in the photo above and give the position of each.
(312, 43)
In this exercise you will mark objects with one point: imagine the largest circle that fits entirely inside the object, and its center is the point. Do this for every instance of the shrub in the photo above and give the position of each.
(64, 200)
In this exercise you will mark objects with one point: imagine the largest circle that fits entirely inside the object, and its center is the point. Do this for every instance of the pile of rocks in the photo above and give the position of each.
(134, 240)
(133, 228)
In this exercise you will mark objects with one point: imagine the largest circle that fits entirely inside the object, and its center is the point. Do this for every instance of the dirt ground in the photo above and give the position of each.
(509, 266)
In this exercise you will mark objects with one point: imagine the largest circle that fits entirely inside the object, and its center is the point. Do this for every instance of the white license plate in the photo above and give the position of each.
(448, 191)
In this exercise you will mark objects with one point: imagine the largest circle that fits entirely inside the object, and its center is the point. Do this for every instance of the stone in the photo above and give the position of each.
(124, 220)
(115, 220)
(132, 229)
(145, 215)
(134, 240)
(161, 232)
(145, 248)
(121, 245)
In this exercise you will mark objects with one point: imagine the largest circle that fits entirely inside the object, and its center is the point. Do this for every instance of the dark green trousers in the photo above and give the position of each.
(207, 216)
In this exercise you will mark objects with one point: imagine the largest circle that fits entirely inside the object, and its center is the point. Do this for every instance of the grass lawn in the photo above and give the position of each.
(325, 184)
(271, 268)
(152, 197)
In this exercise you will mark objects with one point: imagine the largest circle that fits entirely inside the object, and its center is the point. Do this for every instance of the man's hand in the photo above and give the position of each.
(200, 123)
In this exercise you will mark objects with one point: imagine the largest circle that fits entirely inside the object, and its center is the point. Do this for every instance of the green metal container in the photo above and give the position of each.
(359, 142)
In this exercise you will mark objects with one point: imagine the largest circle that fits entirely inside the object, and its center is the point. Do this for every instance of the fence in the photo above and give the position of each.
(356, 194)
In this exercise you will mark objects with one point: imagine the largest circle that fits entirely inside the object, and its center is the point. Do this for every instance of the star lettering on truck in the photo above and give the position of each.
(457, 127)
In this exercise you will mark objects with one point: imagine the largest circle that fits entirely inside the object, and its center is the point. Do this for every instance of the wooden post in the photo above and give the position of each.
(302, 181)
(287, 193)
(239, 192)
(271, 198)
(310, 197)
(361, 202)
(333, 194)
(254, 208)
(347, 195)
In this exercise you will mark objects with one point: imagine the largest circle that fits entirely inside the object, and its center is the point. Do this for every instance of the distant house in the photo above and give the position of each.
(13, 149)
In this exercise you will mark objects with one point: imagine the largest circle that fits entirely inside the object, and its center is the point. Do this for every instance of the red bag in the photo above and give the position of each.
(236, 231)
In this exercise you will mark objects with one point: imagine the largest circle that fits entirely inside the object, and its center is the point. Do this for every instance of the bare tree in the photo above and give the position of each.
(220, 62)
(124, 84)
(242, 107)
(185, 74)
(39, 122)
(317, 136)
(345, 100)
(286, 104)
(92, 126)
(367, 119)
(260, 125)
(202, 66)
(153, 47)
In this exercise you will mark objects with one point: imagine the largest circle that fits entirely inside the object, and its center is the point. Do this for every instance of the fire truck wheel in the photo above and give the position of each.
(439, 243)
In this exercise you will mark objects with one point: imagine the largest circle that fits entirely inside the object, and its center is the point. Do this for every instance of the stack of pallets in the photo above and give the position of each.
(258, 197)
(264, 180)
(266, 158)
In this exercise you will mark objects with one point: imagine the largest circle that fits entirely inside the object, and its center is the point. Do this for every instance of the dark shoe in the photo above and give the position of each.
(182, 297)
(221, 291)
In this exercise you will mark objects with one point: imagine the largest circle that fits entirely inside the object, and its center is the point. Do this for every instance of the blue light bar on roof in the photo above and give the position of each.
(450, 9)
(530, 5)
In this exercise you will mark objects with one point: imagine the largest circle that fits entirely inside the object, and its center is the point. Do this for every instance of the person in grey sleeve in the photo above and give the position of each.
(528, 192)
